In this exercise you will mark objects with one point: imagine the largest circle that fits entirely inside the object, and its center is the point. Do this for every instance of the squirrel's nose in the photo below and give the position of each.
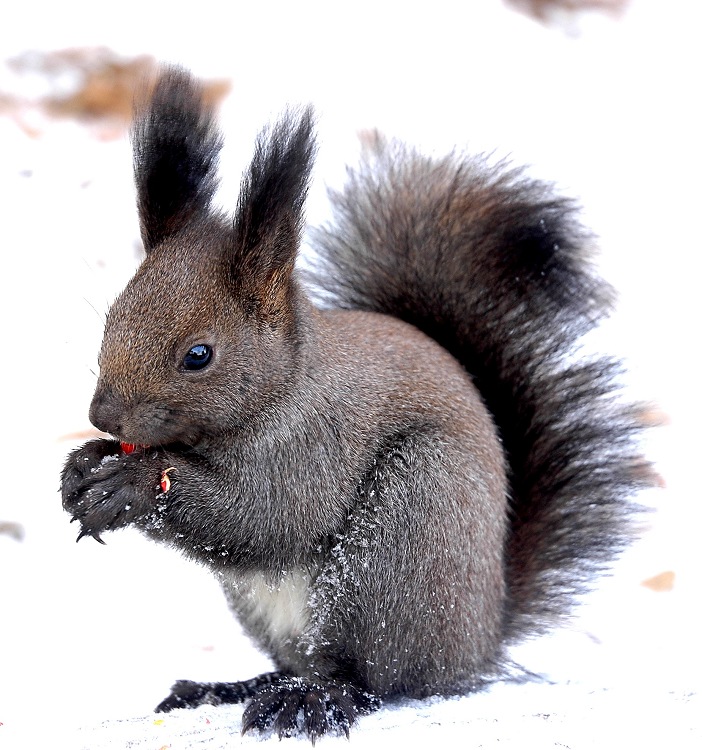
(107, 410)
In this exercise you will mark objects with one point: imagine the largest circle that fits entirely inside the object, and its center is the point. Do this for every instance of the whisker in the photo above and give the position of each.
(102, 317)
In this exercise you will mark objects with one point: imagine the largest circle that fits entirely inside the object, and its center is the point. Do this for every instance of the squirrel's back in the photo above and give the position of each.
(497, 269)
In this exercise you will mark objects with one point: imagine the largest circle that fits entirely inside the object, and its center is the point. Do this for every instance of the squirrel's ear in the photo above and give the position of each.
(176, 147)
(270, 214)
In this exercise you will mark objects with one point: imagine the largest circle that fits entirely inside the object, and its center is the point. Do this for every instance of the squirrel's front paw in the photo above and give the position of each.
(97, 489)
(82, 464)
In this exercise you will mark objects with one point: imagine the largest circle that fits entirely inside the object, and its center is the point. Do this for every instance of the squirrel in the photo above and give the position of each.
(396, 464)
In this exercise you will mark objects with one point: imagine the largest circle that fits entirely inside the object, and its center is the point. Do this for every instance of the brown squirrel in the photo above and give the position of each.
(391, 485)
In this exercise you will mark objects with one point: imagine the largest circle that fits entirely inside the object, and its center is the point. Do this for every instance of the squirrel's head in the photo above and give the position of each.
(204, 338)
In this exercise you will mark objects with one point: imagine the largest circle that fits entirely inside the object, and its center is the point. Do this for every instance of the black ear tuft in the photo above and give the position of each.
(270, 213)
(176, 146)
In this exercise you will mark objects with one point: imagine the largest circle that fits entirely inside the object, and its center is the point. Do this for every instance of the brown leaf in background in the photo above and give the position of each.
(547, 10)
(662, 582)
(93, 84)
(12, 529)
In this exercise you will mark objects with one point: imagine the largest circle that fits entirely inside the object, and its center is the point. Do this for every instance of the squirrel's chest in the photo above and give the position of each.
(276, 613)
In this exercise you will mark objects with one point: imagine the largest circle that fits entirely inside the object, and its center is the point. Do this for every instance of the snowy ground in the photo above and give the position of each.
(609, 110)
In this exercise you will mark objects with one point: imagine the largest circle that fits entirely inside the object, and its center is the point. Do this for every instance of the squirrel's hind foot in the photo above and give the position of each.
(280, 703)
(189, 694)
(296, 706)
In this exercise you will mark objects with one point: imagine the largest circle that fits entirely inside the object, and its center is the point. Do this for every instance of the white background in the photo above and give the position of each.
(606, 107)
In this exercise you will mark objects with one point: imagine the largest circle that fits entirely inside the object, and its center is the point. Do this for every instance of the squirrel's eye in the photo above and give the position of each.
(198, 357)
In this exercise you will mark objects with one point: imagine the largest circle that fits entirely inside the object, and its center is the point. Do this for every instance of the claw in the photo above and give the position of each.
(94, 534)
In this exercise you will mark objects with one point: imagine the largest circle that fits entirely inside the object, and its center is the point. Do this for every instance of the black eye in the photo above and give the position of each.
(198, 357)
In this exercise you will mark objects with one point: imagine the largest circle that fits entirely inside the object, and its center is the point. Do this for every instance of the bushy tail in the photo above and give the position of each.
(495, 267)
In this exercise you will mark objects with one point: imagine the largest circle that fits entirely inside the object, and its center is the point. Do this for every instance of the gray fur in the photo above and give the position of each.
(380, 525)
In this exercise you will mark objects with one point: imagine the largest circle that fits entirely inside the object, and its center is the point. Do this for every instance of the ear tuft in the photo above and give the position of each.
(176, 147)
(270, 214)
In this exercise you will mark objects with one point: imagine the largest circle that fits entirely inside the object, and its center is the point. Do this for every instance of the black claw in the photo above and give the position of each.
(94, 534)
(339, 714)
(315, 715)
(263, 709)
(285, 723)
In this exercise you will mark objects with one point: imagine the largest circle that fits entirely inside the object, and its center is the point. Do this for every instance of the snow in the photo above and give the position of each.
(94, 634)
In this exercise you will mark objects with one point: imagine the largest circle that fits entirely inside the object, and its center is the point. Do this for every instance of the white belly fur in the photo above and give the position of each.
(279, 609)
